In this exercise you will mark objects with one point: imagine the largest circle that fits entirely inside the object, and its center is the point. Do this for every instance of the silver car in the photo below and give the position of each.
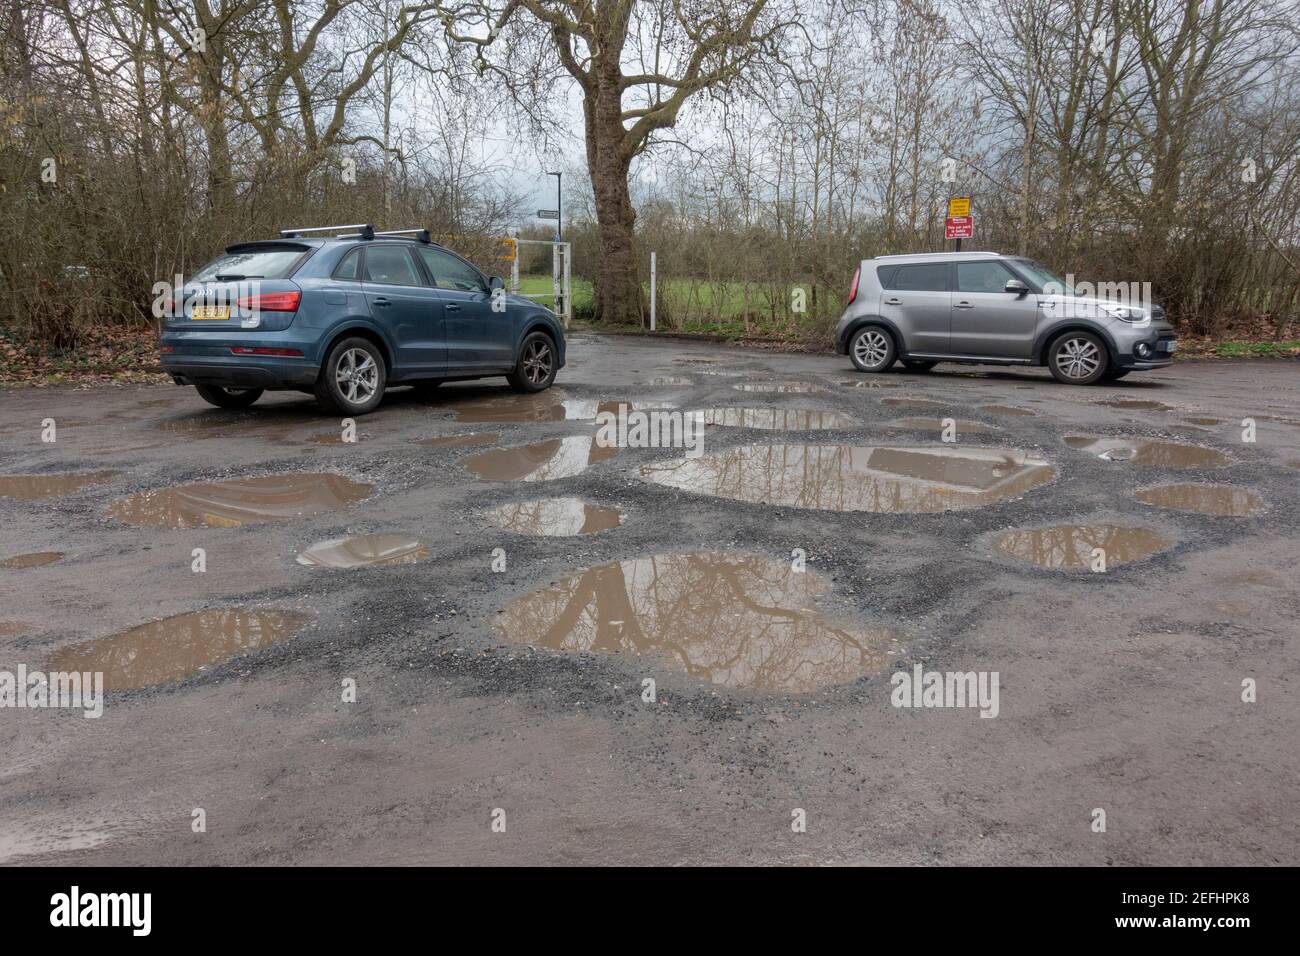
(986, 308)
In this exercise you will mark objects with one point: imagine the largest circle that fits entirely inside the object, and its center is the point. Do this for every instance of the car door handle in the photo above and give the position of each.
(894, 301)
(452, 307)
(962, 305)
(381, 302)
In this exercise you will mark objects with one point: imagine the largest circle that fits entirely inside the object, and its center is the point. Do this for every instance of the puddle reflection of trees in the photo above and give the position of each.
(855, 478)
(228, 504)
(738, 621)
(556, 517)
(176, 647)
(542, 461)
(1071, 546)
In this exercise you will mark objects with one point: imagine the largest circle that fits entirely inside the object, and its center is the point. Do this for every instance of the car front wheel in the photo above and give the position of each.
(1078, 358)
(353, 377)
(536, 368)
(872, 350)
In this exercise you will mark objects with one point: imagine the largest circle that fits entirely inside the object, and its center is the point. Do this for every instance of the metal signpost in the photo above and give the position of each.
(960, 224)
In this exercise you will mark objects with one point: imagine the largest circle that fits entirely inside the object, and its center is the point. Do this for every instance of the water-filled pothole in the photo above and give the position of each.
(665, 381)
(858, 478)
(776, 387)
(778, 419)
(240, 501)
(34, 560)
(1073, 546)
(866, 383)
(12, 628)
(736, 620)
(937, 424)
(1220, 500)
(177, 647)
(365, 550)
(1149, 451)
(31, 487)
(554, 517)
(541, 461)
(1006, 410)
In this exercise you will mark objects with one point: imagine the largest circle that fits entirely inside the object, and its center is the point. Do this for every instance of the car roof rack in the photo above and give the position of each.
(419, 235)
(364, 230)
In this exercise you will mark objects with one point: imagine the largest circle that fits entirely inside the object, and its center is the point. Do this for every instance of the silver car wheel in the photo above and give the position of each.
(870, 348)
(537, 362)
(1078, 358)
(357, 376)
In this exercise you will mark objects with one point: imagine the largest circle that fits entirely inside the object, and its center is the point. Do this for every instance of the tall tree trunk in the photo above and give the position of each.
(619, 298)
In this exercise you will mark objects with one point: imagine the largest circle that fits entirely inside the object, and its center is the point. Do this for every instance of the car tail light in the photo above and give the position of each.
(271, 302)
(853, 292)
(248, 350)
(166, 348)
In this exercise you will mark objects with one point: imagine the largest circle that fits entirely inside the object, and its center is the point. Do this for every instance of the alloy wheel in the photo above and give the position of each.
(1078, 358)
(870, 348)
(537, 362)
(357, 376)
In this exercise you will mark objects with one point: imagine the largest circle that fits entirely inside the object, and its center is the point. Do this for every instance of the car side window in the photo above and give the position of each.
(390, 265)
(451, 272)
(982, 277)
(928, 277)
(886, 276)
(350, 267)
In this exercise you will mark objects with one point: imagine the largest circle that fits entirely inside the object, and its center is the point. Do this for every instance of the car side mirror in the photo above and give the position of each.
(496, 282)
(1016, 286)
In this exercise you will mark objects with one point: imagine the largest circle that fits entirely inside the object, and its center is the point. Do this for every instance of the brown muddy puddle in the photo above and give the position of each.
(177, 647)
(1220, 500)
(31, 487)
(1136, 404)
(735, 620)
(554, 517)
(1149, 451)
(541, 461)
(777, 419)
(914, 402)
(858, 478)
(363, 551)
(451, 441)
(776, 388)
(1006, 410)
(1204, 421)
(937, 425)
(33, 560)
(12, 628)
(240, 501)
(1066, 547)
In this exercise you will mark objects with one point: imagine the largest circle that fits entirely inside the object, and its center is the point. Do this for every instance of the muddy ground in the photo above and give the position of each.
(1119, 690)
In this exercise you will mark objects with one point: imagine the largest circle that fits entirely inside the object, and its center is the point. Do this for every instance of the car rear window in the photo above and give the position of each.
(253, 262)
(927, 277)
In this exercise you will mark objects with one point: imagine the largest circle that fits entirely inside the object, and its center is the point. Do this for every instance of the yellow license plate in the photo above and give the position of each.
(211, 313)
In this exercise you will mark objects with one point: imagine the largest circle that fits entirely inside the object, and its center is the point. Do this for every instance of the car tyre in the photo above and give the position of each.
(1078, 358)
(353, 378)
(916, 365)
(224, 397)
(535, 370)
(872, 349)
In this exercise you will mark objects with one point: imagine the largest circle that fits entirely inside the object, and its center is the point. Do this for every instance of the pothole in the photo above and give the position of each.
(365, 550)
(937, 424)
(554, 517)
(34, 560)
(777, 419)
(541, 461)
(1136, 404)
(666, 381)
(177, 647)
(240, 501)
(776, 387)
(451, 441)
(1006, 410)
(1204, 421)
(858, 478)
(1220, 500)
(735, 620)
(1075, 546)
(866, 383)
(914, 402)
(1146, 451)
(12, 628)
(31, 487)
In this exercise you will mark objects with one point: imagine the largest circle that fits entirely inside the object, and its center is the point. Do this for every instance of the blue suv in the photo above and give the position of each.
(345, 316)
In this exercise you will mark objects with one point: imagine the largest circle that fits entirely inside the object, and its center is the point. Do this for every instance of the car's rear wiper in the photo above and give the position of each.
(232, 277)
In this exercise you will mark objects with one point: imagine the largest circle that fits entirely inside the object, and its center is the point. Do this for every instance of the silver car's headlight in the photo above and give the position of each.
(1123, 313)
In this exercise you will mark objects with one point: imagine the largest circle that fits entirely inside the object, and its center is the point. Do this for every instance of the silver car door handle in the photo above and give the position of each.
(894, 301)
(962, 305)
(452, 307)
